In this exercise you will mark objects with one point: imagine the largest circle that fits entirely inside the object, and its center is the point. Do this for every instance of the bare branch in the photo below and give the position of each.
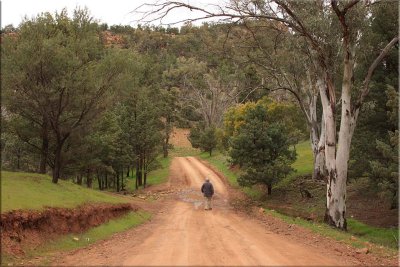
(371, 69)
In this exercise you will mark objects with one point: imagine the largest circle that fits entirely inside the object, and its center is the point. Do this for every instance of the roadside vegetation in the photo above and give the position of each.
(155, 177)
(359, 235)
(288, 204)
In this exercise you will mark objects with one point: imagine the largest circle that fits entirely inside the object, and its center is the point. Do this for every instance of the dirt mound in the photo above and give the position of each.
(109, 39)
(179, 137)
(22, 228)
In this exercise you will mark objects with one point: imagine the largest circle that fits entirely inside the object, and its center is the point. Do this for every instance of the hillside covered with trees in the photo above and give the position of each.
(94, 103)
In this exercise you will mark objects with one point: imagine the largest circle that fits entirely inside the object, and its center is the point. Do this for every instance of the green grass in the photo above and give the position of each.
(35, 191)
(67, 242)
(158, 176)
(95, 234)
(370, 234)
(303, 165)
(219, 161)
(381, 236)
(304, 162)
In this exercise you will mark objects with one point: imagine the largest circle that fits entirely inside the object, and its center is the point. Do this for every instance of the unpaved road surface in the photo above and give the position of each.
(183, 233)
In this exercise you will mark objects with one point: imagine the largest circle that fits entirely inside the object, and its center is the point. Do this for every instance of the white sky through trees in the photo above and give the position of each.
(113, 12)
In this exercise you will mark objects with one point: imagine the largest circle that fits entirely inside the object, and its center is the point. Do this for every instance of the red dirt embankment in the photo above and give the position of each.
(179, 137)
(26, 227)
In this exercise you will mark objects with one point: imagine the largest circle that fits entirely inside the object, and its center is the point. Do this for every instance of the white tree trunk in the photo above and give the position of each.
(317, 137)
(320, 171)
(338, 166)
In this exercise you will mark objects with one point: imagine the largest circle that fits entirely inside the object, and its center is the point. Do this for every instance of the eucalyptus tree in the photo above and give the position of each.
(284, 64)
(328, 28)
(207, 91)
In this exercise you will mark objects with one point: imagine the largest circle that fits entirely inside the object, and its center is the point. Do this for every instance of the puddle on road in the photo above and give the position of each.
(194, 196)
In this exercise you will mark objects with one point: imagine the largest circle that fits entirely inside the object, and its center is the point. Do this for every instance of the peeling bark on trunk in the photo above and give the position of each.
(336, 183)
(336, 201)
(318, 148)
(337, 161)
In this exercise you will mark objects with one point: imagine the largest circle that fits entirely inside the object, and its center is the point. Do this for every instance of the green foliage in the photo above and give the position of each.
(262, 150)
(282, 112)
(379, 113)
(156, 176)
(204, 139)
(365, 233)
(220, 161)
(379, 161)
(14, 152)
(208, 140)
(170, 109)
(385, 172)
(57, 78)
(35, 191)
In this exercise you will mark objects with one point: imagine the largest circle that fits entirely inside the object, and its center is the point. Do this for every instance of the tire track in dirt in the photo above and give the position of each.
(184, 234)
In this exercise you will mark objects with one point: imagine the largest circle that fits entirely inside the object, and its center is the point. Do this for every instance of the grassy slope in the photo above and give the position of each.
(34, 191)
(303, 166)
(304, 161)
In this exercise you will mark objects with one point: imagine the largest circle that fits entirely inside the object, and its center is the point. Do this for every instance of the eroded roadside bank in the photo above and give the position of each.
(21, 229)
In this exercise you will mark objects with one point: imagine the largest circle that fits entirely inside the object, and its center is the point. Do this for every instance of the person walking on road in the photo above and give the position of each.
(208, 190)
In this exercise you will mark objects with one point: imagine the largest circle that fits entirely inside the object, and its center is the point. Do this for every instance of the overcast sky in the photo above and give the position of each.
(110, 12)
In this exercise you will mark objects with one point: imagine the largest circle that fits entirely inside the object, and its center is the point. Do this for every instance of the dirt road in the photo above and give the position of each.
(183, 233)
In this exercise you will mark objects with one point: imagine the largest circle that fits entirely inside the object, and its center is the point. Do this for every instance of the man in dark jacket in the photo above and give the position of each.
(208, 190)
